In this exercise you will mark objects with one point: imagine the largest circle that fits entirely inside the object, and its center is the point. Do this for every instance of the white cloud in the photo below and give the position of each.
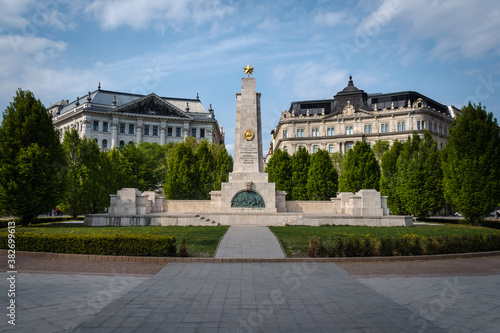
(311, 80)
(332, 19)
(140, 14)
(458, 27)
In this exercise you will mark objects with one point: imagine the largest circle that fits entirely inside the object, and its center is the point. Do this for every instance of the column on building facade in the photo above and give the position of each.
(185, 130)
(138, 128)
(114, 132)
(87, 126)
(163, 128)
(340, 147)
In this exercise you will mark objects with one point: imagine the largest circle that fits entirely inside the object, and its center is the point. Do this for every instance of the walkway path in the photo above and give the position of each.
(249, 242)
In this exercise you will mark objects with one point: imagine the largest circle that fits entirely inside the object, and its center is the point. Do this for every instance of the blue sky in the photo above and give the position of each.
(446, 50)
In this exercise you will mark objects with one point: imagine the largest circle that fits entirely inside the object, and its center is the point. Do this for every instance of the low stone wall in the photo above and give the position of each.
(262, 219)
(188, 206)
(310, 207)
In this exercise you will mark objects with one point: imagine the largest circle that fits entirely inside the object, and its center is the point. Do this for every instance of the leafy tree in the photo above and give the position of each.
(471, 163)
(223, 166)
(322, 180)
(388, 178)
(361, 169)
(32, 161)
(88, 176)
(182, 176)
(205, 163)
(419, 176)
(380, 147)
(279, 170)
(338, 159)
(141, 168)
(300, 169)
(116, 179)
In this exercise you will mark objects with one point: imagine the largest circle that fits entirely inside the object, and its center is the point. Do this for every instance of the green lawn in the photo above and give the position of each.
(201, 241)
(295, 239)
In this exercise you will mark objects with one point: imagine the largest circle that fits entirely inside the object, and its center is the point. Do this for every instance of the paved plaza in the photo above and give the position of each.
(253, 297)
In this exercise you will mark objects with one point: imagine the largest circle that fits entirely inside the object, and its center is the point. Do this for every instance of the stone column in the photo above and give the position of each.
(87, 126)
(185, 130)
(114, 132)
(139, 131)
(163, 128)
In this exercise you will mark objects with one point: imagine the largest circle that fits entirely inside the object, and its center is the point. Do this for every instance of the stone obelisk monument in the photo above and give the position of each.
(248, 189)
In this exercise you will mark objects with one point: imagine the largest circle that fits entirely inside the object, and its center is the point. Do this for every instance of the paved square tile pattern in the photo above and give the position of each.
(249, 242)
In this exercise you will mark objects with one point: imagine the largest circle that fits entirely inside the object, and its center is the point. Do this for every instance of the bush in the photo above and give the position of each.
(316, 248)
(121, 245)
(386, 246)
(183, 252)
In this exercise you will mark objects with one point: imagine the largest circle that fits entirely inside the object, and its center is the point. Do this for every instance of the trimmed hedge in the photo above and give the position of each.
(40, 220)
(402, 246)
(120, 245)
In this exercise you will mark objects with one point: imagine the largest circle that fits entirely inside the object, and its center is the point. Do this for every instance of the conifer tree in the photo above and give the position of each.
(300, 169)
(205, 164)
(419, 176)
(361, 169)
(182, 176)
(223, 166)
(322, 180)
(279, 169)
(32, 161)
(388, 178)
(471, 163)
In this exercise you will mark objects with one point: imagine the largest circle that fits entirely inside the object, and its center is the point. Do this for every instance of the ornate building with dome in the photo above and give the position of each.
(114, 119)
(336, 124)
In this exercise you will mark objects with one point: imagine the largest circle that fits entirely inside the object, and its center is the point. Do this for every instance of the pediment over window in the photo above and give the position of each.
(152, 105)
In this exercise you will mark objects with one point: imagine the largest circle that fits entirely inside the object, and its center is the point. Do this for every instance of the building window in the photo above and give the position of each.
(382, 128)
(399, 127)
(155, 130)
(285, 134)
(386, 128)
(131, 129)
(315, 132)
(440, 129)
(348, 146)
(178, 132)
(95, 140)
(146, 130)
(122, 128)
(202, 132)
(96, 125)
(105, 126)
(300, 133)
(331, 131)
(418, 125)
(315, 148)
(368, 129)
(331, 149)
(122, 144)
(104, 143)
(169, 131)
(349, 130)
(193, 132)
(403, 126)
(435, 127)
(285, 149)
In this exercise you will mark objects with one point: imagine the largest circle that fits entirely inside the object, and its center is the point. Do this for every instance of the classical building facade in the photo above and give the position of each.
(114, 118)
(336, 124)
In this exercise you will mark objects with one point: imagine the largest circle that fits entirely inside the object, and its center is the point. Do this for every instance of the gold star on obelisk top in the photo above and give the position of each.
(248, 70)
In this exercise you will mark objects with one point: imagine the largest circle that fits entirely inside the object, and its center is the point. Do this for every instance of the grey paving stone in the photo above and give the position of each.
(249, 242)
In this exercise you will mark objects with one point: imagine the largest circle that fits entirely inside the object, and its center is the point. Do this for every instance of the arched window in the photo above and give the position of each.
(387, 127)
(122, 144)
(104, 143)
(403, 125)
(418, 125)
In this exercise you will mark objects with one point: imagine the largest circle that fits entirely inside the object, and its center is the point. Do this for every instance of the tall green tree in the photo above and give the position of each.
(388, 178)
(279, 169)
(142, 168)
(205, 163)
(300, 169)
(419, 176)
(223, 166)
(88, 176)
(322, 180)
(361, 169)
(471, 163)
(380, 147)
(182, 176)
(338, 160)
(32, 161)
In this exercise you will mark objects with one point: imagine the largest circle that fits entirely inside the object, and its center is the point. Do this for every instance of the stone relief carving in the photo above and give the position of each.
(248, 199)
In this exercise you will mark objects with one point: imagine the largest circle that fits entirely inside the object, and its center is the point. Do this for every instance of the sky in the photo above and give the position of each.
(300, 50)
